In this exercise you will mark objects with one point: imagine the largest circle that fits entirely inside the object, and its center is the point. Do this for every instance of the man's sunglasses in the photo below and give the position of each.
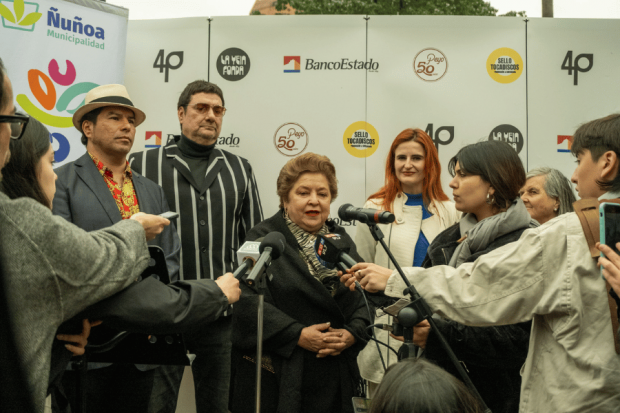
(18, 124)
(203, 109)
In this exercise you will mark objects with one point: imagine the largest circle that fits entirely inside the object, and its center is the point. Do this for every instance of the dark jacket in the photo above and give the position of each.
(493, 356)
(294, 300)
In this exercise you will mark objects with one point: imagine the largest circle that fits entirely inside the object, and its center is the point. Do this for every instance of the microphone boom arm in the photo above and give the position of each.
(423, 312)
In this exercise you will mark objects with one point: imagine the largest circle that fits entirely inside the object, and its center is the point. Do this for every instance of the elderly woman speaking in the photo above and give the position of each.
(313, 330)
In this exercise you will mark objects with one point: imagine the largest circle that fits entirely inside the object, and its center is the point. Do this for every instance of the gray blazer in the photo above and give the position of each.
(53, 270)
(83, 198)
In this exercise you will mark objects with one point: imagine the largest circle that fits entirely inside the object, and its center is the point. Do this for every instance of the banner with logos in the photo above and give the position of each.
(345, 86)
(573, 78)
(55, 52)
(163, 56)
(459, 79)
(292, 86)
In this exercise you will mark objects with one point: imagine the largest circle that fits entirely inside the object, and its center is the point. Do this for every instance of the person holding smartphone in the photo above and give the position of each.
(547, 276)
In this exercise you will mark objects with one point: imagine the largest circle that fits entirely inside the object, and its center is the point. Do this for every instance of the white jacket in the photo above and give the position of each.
(401, 237)
(548, 276)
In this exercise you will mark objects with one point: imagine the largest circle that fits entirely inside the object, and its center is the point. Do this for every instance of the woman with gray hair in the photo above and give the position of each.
(546, 194)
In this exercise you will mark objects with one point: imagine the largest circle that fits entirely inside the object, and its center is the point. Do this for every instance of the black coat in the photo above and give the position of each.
(493, 356)
(294, 299)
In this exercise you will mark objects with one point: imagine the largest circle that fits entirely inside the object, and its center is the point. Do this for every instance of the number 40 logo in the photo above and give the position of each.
(573, 66)
(167, 66)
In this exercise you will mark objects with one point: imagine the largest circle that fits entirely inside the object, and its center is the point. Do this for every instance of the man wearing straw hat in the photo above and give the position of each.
(95, 191)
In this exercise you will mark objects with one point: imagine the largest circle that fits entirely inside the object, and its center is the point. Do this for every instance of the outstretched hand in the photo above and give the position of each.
(372, 277)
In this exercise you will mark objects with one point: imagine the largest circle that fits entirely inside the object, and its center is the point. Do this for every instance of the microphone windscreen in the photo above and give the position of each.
(276, 241)
(342, 212)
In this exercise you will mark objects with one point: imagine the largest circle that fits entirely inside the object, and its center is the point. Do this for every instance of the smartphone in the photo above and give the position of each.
(609, 226)
(360, 404)
(169, 215)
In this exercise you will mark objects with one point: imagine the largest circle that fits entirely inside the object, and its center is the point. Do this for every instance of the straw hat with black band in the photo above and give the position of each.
(107, 95)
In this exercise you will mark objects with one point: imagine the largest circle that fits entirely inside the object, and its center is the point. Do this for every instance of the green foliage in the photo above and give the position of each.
(390, 7)
(514, 14)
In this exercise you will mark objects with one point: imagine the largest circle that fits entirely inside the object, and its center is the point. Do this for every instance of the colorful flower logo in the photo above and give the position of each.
(49, 101)
(18, 20)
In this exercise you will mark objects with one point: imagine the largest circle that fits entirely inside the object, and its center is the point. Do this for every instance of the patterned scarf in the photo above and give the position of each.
(327, 277)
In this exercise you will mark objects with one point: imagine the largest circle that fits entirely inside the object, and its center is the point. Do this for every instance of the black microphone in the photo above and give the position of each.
(332, 249)
(247, 255)
(270, 249)
(348, 212)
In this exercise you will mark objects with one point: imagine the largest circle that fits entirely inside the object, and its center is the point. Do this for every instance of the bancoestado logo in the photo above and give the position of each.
(504, 65)
(292, 64)
(361, 139)
(565, 147)
(508, 134)
(48, 100)
(23, 17)
(156, 139)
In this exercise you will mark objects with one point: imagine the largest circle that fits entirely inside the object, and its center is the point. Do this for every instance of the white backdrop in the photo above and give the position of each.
(284, 84)
(556, 105)
(59, 52)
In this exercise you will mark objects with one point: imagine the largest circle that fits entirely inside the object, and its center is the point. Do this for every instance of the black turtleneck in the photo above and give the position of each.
(197, 157)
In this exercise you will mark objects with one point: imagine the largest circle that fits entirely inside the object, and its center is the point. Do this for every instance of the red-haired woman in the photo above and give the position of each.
(412, 191)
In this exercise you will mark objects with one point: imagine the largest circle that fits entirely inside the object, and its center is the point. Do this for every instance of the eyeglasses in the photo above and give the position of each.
(18, 124)
(203, 109)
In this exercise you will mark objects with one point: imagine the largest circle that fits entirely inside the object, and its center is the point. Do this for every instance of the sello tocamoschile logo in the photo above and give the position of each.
(361, 139)
(233, 64)
(291, 139)
(504, 65)
(508, 134)
(23, 17)
(50, 103)
(430, 64)
(292, 64)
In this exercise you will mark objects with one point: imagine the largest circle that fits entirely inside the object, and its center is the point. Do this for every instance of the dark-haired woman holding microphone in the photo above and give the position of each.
(487, 179)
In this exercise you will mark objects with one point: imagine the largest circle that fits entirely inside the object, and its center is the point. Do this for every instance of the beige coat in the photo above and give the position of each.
(548, 276)
(401, 237)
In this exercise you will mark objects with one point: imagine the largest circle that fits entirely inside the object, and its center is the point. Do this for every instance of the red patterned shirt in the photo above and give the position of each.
(125, 197)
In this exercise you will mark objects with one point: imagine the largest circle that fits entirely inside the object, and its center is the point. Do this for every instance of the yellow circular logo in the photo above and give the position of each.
(504, 65)
(361, 139)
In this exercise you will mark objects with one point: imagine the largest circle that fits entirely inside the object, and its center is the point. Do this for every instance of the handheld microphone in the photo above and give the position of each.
(247, 255)
(348, 212)
(270, 249)
(332, 249)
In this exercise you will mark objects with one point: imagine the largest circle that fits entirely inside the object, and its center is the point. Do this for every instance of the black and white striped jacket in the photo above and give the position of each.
(214, 219)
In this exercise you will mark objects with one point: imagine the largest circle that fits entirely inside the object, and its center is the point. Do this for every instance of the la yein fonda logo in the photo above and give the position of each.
(23, 15)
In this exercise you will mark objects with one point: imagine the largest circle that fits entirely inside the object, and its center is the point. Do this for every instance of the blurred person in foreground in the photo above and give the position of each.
(314, 328)
(419, 386)
(52, 269)
(413, 192)
(548, 275)
(546, 194)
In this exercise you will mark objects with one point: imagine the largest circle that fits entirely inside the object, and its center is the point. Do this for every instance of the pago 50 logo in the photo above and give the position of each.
(23, 16)
(52, 105)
